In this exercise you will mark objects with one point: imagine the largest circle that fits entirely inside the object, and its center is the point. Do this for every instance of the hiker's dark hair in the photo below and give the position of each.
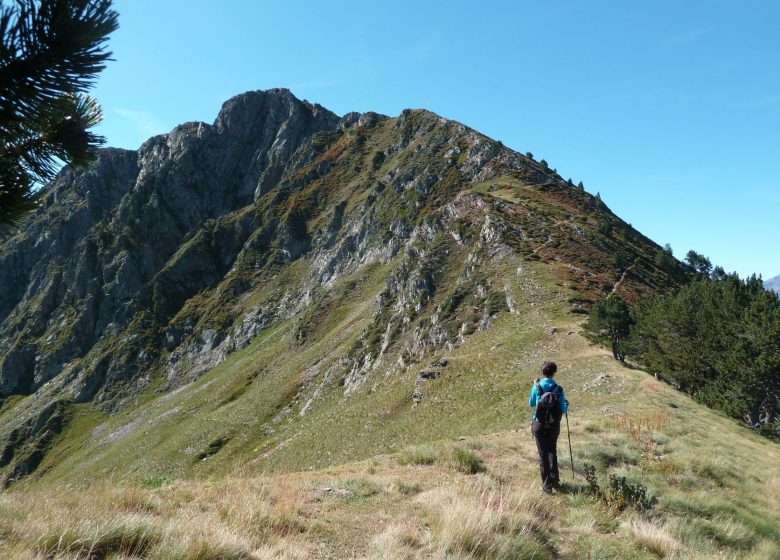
(549, 369)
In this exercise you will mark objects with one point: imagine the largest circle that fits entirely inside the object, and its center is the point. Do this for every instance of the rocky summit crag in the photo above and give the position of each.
(371, 244)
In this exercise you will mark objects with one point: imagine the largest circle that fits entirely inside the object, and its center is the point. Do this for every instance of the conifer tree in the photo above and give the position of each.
(609, 322)
(699, 263)
(50, 54)
(719, 341)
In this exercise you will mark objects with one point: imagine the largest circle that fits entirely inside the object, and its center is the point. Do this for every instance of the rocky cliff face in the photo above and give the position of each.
(150, 268)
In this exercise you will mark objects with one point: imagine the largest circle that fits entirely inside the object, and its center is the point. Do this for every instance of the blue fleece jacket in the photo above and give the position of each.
(546, 384)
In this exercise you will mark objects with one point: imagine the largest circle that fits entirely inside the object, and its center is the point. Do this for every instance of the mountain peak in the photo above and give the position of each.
(277, 102)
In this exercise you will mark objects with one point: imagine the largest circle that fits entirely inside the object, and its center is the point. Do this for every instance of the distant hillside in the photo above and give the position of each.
(773, 284)
(278, 284)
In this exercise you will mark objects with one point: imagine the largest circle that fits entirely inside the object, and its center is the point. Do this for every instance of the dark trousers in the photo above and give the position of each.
(546, 443)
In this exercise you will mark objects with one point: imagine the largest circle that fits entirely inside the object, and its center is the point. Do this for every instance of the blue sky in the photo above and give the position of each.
(669, 109)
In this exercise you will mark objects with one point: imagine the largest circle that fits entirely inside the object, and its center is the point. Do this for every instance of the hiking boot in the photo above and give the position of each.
(546, 488)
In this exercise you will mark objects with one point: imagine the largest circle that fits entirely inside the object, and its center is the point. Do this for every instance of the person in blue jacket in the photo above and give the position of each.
(546, 433)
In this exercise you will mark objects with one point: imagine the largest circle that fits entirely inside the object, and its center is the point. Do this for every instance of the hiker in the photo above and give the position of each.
(548, 400)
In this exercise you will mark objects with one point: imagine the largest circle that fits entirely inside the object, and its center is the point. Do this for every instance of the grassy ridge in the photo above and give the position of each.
(714, 485)
(207, 472)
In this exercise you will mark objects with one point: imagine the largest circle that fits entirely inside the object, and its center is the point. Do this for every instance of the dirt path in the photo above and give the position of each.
(623, 276)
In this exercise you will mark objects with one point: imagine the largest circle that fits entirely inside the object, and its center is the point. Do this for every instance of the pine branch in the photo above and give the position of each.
(50, 53)
(49, 49)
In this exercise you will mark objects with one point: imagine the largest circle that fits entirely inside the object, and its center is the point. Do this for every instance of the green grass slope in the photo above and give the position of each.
(471, 491)
(267, 457)
(275, 405)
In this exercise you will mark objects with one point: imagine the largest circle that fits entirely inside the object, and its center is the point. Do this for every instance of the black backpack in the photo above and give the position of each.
(548, 407)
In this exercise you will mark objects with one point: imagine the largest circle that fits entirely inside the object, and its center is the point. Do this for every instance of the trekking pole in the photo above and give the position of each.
(571, 455)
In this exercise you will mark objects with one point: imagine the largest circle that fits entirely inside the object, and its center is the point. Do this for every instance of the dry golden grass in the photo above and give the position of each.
(718, 497)
(400, 541)
(232, 519)
(468, 521)
(642, 427)
(480, 523)
(379, 509)
(653, 536)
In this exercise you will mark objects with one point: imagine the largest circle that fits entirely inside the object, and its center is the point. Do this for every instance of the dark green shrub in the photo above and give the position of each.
(467, 461)
(619, 493)
(604, 227)
(592, 480)
(213, 448)
(622, 494)
(408, 488)
(496, 302)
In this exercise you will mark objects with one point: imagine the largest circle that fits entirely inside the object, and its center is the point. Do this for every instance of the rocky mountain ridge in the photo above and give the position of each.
(150, 268)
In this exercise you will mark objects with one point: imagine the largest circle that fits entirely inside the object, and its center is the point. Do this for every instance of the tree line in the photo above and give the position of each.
(716, 338)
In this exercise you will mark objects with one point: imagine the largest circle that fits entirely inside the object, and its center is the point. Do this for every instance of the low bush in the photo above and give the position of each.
(408, 488)
(592, 479)
(620, 493)
(213, 448)
(363, 487)
(467, 461)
